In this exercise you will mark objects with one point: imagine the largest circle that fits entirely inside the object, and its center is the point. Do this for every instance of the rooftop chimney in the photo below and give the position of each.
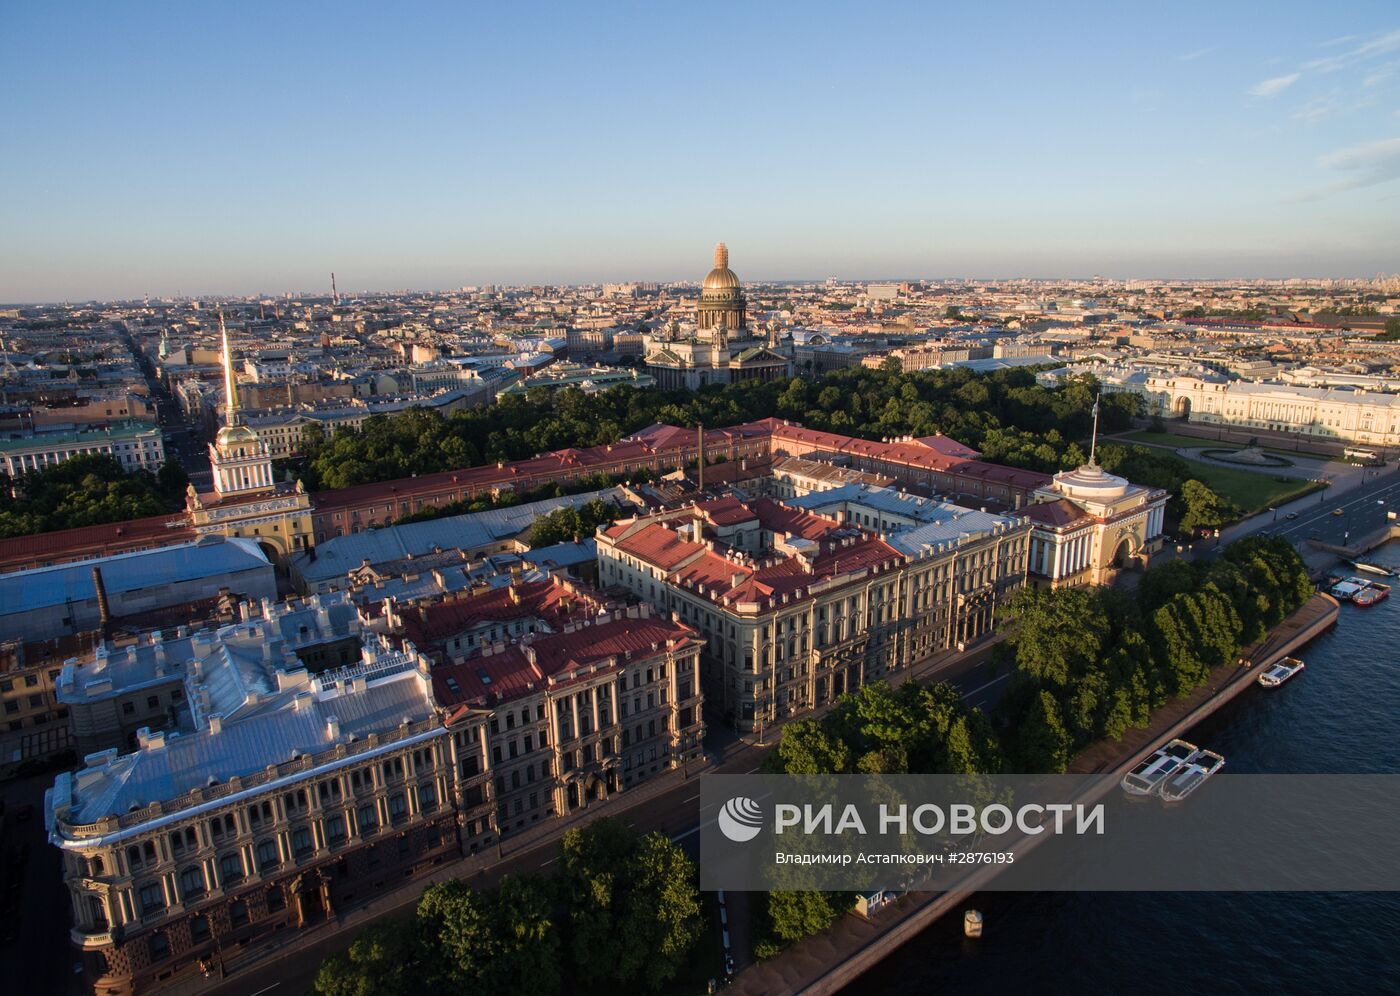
(104, 610)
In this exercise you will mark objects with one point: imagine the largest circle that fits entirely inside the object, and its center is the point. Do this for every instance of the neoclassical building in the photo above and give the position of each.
(1087, 525)
(246, 500)
(1335, 414)
(720, 349)
(797, 607)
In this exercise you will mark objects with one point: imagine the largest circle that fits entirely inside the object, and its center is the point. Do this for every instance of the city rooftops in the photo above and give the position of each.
(42, 587)
(126, 432)
(267, 633)
(337, 557)
(804, 551)
(607, 641)
(310, 716)
(913, 525)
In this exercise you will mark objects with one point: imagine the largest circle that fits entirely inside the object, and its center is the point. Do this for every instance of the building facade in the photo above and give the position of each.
(551, 724)
(282, 797)
(1331, 414)
(135, 446)
(1088, 525)
(797, 608)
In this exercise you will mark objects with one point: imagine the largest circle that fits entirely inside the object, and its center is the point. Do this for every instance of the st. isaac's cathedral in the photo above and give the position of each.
(720, 348)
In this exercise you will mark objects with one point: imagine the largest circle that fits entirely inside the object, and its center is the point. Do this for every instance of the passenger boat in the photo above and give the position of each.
(1191, 775)
(1151, 771)
(1276, 674)
(1346, 587)
(1371, 594)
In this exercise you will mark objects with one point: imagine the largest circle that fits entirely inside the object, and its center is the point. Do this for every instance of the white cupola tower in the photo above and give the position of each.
(241, 461)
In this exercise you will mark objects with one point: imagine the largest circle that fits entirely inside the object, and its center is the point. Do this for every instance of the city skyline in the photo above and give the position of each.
(442, 149)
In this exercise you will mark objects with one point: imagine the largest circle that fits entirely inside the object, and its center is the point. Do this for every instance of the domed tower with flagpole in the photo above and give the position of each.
(247, 501)
(1088, 524)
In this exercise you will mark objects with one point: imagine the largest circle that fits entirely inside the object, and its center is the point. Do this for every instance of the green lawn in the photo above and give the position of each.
(1172, 439)
(1252, 490)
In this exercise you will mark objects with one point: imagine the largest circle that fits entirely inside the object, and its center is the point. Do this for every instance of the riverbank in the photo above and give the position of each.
(837, 957)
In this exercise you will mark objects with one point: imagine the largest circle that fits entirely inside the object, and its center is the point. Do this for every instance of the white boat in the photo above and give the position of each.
(1276, 674)
(1191, 775)
(1153, 770)
(1361, 565)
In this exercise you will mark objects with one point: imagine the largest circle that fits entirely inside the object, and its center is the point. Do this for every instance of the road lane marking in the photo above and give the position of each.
(968, 695)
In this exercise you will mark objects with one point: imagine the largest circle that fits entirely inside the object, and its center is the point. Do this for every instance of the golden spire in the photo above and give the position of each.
(230, 391)
(721, 257)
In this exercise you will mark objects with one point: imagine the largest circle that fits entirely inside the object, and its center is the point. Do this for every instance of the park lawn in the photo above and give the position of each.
(1178, 442)
(1252, 490)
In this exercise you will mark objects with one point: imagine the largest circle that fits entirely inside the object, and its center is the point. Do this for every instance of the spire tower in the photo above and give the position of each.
(230, 385)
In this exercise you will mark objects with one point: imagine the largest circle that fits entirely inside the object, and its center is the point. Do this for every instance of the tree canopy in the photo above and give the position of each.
(1092, 662)
(623, 911)
(87, 490)
(1005, 414)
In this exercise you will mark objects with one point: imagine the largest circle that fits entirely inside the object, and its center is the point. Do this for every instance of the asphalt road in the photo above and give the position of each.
(184, 443)
(1363, 512)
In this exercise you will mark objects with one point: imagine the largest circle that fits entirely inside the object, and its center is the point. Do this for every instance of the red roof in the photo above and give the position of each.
(726, 511)
(1055, 514)
(658, 545)
(510, 674)
(85, 542)
(552, 601)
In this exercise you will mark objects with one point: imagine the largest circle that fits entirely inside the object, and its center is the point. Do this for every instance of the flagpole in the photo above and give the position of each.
(1094, 439)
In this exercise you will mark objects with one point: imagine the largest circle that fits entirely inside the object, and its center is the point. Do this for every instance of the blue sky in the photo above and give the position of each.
(235, 148)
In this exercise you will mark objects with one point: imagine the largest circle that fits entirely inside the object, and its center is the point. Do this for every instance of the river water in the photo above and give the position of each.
(1340, 715)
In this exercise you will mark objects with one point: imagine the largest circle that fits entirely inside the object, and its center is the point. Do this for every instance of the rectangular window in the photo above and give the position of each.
(152, 899)
(335, 830)
(230, 870)
(301, 842)
(192, 884)
(268, 858)
(367, 820)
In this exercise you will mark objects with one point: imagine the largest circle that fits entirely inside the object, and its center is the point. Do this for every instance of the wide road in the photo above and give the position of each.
(1363, 512)
(675, 812)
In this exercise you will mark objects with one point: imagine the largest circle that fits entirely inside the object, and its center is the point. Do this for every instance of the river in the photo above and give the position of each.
(1341, 715)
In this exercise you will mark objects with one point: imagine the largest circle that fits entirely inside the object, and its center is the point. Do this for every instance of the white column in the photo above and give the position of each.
(1059, 552)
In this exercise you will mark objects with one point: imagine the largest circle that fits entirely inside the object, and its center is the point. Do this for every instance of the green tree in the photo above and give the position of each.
(1204, 509)
(1042, 742)
(385, 960)
(795, 915)
(635, 907)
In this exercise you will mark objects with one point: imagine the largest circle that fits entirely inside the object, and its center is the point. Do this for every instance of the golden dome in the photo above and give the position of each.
(721, 277)
(234, 435)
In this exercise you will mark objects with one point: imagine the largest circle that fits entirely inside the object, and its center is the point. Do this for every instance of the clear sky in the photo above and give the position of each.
(207, 148)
